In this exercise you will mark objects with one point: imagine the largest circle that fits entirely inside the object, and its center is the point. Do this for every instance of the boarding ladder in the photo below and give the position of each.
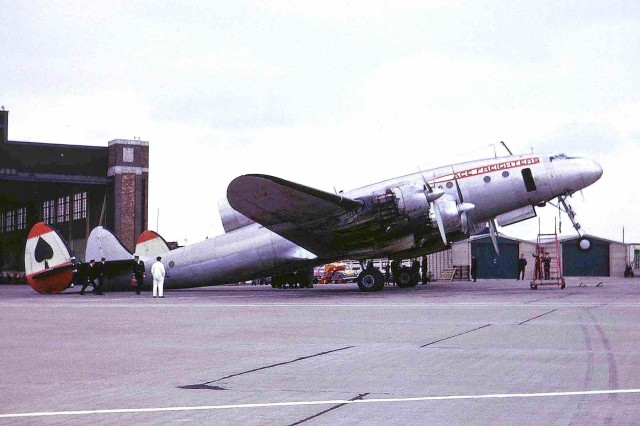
(547, 247)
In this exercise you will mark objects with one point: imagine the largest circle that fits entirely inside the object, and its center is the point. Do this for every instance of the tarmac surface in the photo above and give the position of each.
(491, 352)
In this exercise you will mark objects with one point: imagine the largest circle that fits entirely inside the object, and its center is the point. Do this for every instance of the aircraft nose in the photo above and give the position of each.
(591, 172)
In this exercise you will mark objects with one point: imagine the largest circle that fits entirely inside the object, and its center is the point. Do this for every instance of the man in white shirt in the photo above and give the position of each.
(158, 273)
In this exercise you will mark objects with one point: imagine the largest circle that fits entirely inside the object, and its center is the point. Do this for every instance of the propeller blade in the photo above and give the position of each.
(494, 235)
(443, 234)
(460, 198)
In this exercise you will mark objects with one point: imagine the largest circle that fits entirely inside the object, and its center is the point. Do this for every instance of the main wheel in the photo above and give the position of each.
(370, 280)
(406, 278)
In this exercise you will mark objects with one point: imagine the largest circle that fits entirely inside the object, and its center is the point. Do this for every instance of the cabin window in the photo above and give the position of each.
(449, 185)
(528, 180)
(505, 174)
(486, 179)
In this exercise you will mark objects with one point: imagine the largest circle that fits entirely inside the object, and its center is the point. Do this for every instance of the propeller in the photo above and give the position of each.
(432, 196)
(463, 207)
(493, 231)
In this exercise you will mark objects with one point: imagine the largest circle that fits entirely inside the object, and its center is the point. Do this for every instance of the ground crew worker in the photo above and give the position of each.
(424, 269)
(473, 271)
(546, 264)
(138, 272)
(522, 263)
(92, 274)
(158, 273)
(101, 271)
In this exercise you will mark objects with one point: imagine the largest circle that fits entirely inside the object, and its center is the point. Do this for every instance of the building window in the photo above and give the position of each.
(63, 209)
(2, 218)
(21, 218)
(10, 221)
(49, 212)
(127, 155)
(80, 206)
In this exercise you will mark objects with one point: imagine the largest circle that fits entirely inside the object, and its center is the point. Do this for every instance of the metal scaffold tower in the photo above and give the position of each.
(548, 265)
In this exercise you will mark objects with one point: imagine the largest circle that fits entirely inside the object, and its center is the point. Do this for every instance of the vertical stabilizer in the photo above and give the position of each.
(150, 244)
(102, 243)
(47, 260)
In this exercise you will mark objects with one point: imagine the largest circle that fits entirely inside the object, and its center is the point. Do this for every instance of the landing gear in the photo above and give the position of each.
(371, 280)
(407, 277)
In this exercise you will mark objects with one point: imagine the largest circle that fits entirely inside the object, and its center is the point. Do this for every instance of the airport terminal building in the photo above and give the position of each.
(73, 188)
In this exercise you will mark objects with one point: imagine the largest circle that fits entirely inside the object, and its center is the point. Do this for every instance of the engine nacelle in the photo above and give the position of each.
(412, 201)
(451, 217)
(231, 219)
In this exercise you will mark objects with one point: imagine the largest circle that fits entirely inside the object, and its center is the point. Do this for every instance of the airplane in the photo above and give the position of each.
(282, 229)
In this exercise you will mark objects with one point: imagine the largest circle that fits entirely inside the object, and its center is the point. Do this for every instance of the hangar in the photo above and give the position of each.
(74, 188)
(604, 258)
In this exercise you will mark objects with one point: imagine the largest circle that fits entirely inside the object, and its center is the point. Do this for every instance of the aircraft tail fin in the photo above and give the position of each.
(151, 244)
(47, 260)
(102, 243)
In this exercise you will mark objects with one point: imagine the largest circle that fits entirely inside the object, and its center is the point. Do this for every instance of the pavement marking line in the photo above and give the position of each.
(455, 335)
(326, 402)
(541, 315)
(278, 364)
(335, 407)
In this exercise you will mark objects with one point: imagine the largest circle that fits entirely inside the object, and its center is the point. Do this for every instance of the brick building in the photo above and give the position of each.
(73, 188)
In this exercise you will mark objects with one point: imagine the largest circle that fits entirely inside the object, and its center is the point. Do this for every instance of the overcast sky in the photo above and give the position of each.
(331, 94)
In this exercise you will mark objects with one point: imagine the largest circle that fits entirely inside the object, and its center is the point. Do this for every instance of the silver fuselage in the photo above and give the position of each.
(494, 186)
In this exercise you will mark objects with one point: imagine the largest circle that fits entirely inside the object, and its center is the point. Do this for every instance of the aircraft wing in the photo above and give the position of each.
(301, 214)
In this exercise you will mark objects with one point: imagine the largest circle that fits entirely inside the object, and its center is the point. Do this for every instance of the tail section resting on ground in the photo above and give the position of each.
(102, 243)
(150, 244)
(47, 260)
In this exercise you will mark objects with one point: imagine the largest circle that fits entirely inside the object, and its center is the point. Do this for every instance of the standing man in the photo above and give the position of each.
(101, 272)
(138, 272)
(473, 271)
(424, 269)
(537, 272)
(157, 271)
(522, 263)
(546, 264)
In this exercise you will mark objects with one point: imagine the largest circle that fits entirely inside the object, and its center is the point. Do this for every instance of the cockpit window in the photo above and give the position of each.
(560, 157)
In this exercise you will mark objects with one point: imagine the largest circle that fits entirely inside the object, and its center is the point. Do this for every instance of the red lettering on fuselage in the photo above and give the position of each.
(476, 171)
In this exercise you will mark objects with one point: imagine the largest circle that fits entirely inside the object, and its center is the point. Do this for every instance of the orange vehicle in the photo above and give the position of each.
(335, 273)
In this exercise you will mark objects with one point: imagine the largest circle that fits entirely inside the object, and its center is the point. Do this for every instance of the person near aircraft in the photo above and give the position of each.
(424, 270)
(158, 273)
(537, 272)
(101, 271)
(92, 274)
(138, 272)
(473, 271)
(415, 266)
(522, 263)
(546, 264)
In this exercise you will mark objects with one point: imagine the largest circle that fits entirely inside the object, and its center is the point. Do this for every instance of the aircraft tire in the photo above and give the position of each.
(406, 278)
(370, 280)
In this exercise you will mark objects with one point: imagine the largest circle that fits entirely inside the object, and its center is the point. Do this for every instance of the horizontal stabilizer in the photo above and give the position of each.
(47, 260)
(150, 244)
(102, 243)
